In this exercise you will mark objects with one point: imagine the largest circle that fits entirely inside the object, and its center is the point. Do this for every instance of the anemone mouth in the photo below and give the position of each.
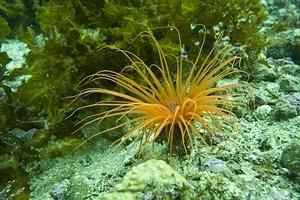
(172, 105)
(164, 101)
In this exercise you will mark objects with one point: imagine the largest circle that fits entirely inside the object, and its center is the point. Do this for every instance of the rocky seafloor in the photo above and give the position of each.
(258, 159)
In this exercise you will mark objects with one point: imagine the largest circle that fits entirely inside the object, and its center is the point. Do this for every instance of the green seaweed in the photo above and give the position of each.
(19, 13)
(5, 29)
(66, 46)
(4, 32)
(4, 59)
(239, 20)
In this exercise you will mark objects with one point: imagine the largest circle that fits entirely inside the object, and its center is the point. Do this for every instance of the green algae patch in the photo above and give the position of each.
(5, 29)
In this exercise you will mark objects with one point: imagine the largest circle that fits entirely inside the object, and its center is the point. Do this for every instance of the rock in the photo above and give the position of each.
(216, 186)
(266, 94)
(217, 166)
(153, 172)
(290, 68)
(290, 158)
(58, 192)
(23, 135)
(289, 84)
(263, 112)
(294, 99)
(80, 188)
(283, 110)
(118, 196)
(296, 54)
(277, 194)
(278, 51)
(263, 72)
(155, 177)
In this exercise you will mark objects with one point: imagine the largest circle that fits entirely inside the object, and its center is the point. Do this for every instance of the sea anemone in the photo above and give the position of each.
(176, 105)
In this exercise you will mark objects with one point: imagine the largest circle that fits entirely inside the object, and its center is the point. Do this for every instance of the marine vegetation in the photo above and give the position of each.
(167, 103)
